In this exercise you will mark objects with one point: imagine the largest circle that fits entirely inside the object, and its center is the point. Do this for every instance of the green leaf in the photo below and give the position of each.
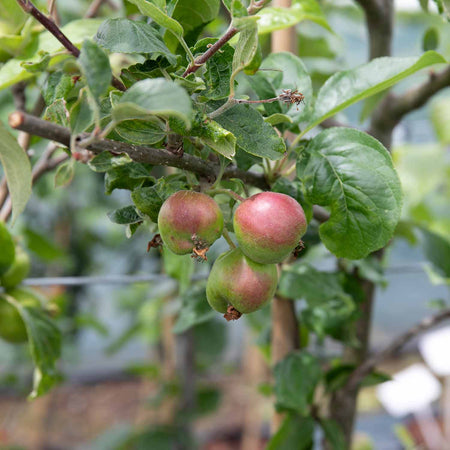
(42, 247)
(337, 377)
(65, 172)
(149, 69)
(193, 15)
(294, 433)
(81, 113)
(252, 134)
(125, 216)
(95, 67)
(128, 176)
(244, 52)
(440, 118)
(437, 250)
(57, 87)
(128, 36)
(296, 378)
(17, 168)
(44, 340)
(76, 31)
(8, 252)
(178, 267)
(277, 119)
(37, 66)
(352, 173)
(430, 39)
(302, 281)
(153, 97)
(329, 308)
(142, 132)
(219, 139)
(57, 113)
(105, 161)
(277, 18)
(333, 434)
(218, 69)
(153, 9)
(194, 310)
(150, 199)
(348, 87)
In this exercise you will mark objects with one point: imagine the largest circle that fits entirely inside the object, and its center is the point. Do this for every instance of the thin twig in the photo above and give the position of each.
(95, 7)
(211, 51)
(252, 9)
(51, 26)
(394, 107)
(368, 365)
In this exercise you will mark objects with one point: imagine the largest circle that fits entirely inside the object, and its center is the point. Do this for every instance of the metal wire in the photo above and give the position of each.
(105, 279)
(155, 277)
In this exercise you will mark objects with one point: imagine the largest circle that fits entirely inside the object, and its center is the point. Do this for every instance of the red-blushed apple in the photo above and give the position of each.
(190, 222)
(268, 226)
(241, 284)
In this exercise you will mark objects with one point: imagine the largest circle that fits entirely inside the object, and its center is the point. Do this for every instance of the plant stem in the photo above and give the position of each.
(254, 7)
(221, 109)
(227, 237)
(228, 192)
(186, 49)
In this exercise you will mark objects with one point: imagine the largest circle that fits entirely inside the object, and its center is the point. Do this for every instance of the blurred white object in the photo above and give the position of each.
(435, 350)
(411, 390)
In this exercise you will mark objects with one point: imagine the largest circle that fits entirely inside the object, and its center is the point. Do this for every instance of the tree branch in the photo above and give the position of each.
(156, 156)
(51, 26)
(379, 19)
(22, 121)
(368, 365)
(393, 108)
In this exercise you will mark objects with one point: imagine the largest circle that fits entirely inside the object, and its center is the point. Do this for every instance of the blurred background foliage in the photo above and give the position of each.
(121, 332)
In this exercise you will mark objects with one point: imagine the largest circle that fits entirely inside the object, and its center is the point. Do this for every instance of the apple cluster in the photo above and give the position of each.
(268, 226)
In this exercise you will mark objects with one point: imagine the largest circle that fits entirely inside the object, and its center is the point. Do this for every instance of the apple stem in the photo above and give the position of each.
(227, 237)
(229, 192)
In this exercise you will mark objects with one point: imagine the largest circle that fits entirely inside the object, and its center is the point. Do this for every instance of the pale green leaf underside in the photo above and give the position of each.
(277, 18)
(350, 86)
(17, 168)
(219, 139)
(352, 173)
(153, 97)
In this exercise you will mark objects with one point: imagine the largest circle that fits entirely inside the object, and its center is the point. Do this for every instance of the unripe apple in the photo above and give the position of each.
(190, 222)
(17, 271)
(268, 226)
(12, 327)
(241, 283)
